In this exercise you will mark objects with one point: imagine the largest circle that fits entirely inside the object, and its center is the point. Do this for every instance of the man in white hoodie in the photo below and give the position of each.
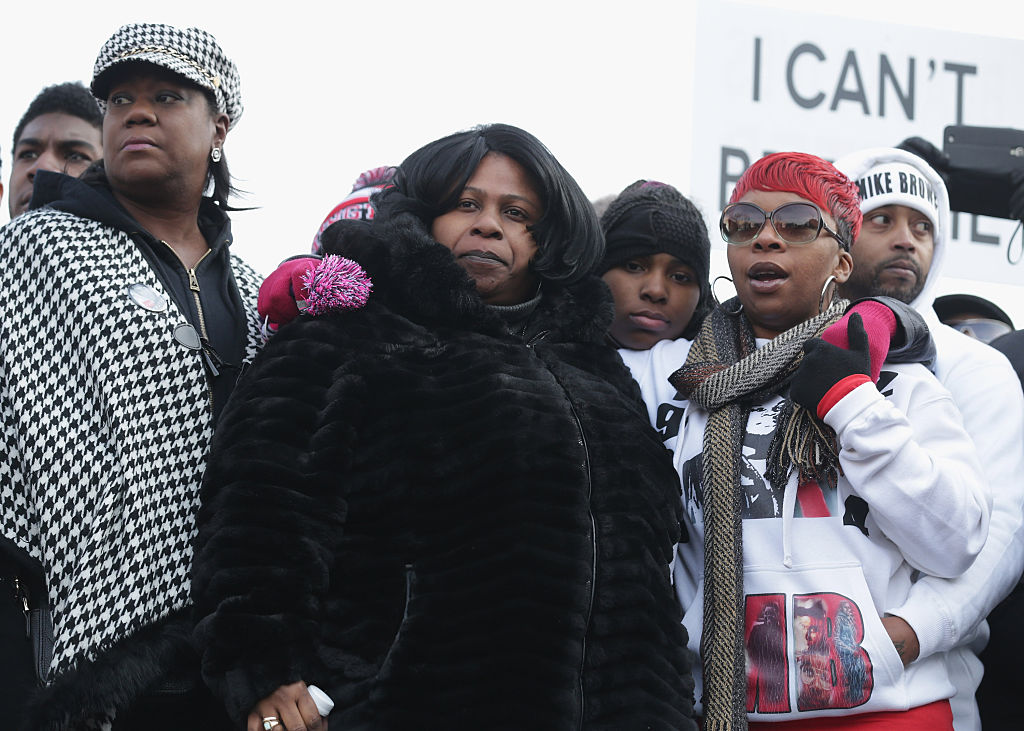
(899, 253)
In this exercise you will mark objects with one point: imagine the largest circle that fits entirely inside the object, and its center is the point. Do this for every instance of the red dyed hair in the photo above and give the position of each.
(809, 177)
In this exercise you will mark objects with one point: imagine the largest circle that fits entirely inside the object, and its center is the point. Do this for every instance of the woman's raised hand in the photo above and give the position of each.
(289, 708)
(880, 325)
(828, 372)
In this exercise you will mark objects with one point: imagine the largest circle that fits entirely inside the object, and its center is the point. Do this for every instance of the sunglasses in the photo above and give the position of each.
(795, 223)
(982, 328)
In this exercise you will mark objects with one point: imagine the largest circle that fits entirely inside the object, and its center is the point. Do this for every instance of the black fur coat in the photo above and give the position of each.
(440, 524)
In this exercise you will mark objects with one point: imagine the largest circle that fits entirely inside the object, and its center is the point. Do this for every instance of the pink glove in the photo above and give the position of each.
(282, 292)
(880, 326)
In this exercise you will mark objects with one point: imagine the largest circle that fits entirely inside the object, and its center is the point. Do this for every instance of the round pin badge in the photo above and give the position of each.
(147, 298)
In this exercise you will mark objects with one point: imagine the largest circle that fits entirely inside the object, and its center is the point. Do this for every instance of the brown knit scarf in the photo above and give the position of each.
(726, 374)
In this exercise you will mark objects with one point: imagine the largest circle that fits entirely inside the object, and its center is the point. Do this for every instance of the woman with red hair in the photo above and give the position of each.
(805, 484)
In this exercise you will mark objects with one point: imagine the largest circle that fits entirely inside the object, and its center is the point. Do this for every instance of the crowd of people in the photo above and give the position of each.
(492, 456)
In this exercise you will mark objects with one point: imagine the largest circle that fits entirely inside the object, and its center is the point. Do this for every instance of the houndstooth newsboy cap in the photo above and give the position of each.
(192, 53)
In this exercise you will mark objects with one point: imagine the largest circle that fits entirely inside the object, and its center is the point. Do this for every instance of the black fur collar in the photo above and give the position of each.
(417, 277)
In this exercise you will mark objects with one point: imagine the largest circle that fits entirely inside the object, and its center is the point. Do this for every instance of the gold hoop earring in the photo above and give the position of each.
(824, 288)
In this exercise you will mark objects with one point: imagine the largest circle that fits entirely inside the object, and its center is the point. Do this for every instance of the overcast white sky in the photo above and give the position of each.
(331, 89)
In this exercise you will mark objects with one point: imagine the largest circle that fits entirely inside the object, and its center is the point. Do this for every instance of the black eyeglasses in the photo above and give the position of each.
(795, 223)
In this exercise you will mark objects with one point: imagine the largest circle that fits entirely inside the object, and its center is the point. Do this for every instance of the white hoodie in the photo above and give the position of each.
(949, 615)
(820, 571)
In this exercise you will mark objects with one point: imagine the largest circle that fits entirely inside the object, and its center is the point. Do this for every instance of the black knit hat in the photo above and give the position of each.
(649, 217)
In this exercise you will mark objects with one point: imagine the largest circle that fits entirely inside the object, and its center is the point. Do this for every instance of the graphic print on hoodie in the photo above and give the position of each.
(833, 670)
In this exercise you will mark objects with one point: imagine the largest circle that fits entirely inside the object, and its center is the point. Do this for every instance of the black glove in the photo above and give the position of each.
(824, 365)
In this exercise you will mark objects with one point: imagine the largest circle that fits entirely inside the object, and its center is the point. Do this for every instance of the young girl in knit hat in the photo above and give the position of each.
(656, 264)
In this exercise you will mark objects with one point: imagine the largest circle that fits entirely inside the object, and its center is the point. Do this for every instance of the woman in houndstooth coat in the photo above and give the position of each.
(124, 322)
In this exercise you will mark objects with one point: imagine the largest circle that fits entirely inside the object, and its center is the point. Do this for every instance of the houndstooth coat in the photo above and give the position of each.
(105, 430)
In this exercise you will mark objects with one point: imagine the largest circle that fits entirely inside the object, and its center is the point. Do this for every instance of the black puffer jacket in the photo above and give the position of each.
(442, 525)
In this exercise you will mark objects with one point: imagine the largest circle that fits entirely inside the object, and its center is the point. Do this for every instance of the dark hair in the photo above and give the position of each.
(217, 173)
(68, 98)
(429, 182)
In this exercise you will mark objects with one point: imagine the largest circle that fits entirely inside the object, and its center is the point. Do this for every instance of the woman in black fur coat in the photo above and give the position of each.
(446, 508)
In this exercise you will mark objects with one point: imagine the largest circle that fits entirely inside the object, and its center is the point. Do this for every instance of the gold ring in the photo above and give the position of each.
(269, 722)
